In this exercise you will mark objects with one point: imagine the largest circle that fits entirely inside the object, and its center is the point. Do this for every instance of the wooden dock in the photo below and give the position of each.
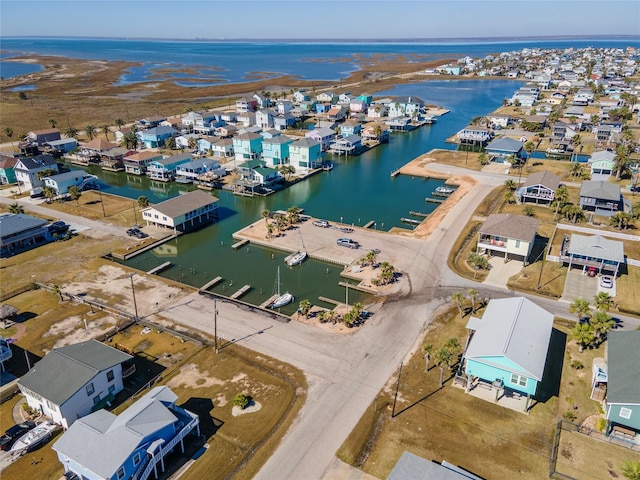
(239, 244)
(359, 288)
(395, 173)
(440, 194)
(418, 214)
(210, 284)
(434, 200)
(268, 302)
(241, 292)
(369, 224)
(410, 221)
(159, 268)
(329, 300)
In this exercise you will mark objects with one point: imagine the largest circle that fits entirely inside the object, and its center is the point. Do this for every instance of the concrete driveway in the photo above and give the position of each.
(579, 285)
(501, 272)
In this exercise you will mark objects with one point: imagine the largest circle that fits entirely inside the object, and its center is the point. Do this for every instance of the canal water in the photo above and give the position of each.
(358, 190)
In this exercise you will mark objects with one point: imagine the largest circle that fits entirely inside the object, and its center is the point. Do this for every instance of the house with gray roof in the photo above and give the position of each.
(508, 347)
(20, 232)
(27, 168)
(184, 212)
(507, 235)
(539, 188)
(503, 149)
(133, 444)
(600, 197)
(413, 467)
(593, 252)
(73, 381)
(622, 403)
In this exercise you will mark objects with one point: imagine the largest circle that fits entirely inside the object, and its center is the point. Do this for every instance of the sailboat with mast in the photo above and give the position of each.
(299, 256)
(282, 299)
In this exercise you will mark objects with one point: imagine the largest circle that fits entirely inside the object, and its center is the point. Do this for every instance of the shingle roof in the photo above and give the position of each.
(7, 162)
(306, 142)
(514, 328)
(596, 246)
(547, 179)
(12, 223)
(518, 227)
(623, 359)
(38, 161)
(600, 189)
(182, 204)
(71, 367)
(99, 145)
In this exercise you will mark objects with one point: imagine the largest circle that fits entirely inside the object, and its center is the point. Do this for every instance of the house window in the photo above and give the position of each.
(517, 243)
(518, 380)
(53, 407)
(110, 376)
(112, 388)
(96, 399)
(625, 412)
(136, 459)
(90, 389)
(120, 473)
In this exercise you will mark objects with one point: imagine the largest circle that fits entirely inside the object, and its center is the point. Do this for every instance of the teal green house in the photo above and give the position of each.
(7, 174)
(622, 403)
(508, 346)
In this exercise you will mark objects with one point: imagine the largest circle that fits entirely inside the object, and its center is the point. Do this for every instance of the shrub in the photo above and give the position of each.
(600, 424)
(570, 416)
(577, 365)
(241, 400)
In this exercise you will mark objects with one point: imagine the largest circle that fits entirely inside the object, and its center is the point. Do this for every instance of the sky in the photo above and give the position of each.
(311, 19)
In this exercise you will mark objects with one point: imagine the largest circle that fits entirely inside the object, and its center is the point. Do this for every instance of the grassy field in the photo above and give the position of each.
(117, 210)
(447, 424)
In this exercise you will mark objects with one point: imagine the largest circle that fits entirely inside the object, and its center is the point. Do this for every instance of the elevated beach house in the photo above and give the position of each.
(324, 135)
(602, 164)
(247, 146)
(75, 178)
(347, 145)
(73, 381)
(507, 347)
(137, 163)
(40, 137)
(275, 150)
(600, 197)
(7, 172)
(539, 188)
(132, 445)
(27, 168)
(156, 136)
(504, 150)
(474, 134)
(184, 212)
(20, 232)
(592, 252)
(164, 169)
(305, 154)
(509, 236)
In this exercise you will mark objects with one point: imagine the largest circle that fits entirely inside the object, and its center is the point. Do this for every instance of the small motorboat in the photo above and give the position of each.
(296, 258)
(34, 438)
(445, 189)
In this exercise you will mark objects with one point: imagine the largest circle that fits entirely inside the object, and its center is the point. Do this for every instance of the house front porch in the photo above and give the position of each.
(490, 392)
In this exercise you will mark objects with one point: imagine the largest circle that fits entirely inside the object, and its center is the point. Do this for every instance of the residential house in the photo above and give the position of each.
(188, 140)
(475, 134)
(505, 150)
(507, 235)
(247, 146)
(602, 164)
(324, 135)
(592, 253)
(156, 136)
(223, 148)
(600, 197)
(347, 145)
(508, 346)
(184, 212)
(337, 113)
(205, 144)
(358, 106)
(270, 133)
(247, 104)
(375, 132)
(399, 123)
(150, 122)
(327, 97)
(190, 171)
(164, 169)
(7, 172)
(62, 146)
(75, 178)
(130, 445)
(284, 106)
(226, 131)
(27, 169)
(177, 123)
(95, 148)
(137, 163)
(73, 381)
(350, 127)
(413, 467)
(254, 174)
(229, 117)
(564, 130)
(539, 188)
(246, 119)
(283, 122)
(366, 98)
(120, 134)
(323, 108)
(275, 150)
(301, 96)
(525, 97)
(499, 120)
(406, 106)
(307, 106)
(264, 118)
(377, 110)
(113, 160)
(622, 404)
(305, 154)
(20, 232)
(40, 137)
(345, 98)
(263, 100)
(605, 134)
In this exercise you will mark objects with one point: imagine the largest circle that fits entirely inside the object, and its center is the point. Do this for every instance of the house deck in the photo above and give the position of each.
(507, 398)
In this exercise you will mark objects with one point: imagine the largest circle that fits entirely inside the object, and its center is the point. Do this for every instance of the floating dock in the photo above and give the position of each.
(434, 200)
(239, 244)
(330, 300)
(441, 194)
(159, 268)
(268, 302)
(241, 292)
(410, 221)
(368, 224)
(210, 284)
(395, 173)
(418, 214)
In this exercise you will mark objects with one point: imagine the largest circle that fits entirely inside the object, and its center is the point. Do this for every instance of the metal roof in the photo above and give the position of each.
(505, 144)
(413, 467)
(596, 246)
(182, 204)
(600, 189)
(12, 223)
(623, 359)
(516, 329)
(65, 370)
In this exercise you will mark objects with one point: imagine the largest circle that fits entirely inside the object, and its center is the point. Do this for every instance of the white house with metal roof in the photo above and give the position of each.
(593, 252)
(508, 346)
(507, 235)
(71, 382)
(184, 212)
(133, 444)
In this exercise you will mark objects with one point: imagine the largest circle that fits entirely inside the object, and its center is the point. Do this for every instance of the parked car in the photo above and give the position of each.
(14, 433)
(606, 281)
(347, 242)
(134, 232)
(321, 223)
(58, 227)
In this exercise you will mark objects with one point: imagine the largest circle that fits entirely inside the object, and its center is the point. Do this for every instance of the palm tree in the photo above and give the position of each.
(16, 208)
(270, 229)
(583, 333)
(49, 193)
(170, 143)
(601, 323)
(443, 357)
(482, 158)
(74, 193)
(576, 141)
(473, 295)
(428, 350)
(510, 184)
(603, 301)
(52, 122)
(621, 161)
(371, 257)
(457, 301)
(90, 131)
(631, 470)
(621, 220)
(510, 197)
(293, 215)
(130, 141)
(560, 198)
(581, 308)
(529, 211)
(9, 133)
(105, 129)
(304, 307)
(118, 122)
(529, 147)
(71, 132)
(573, 212)
(575, 169)
(265, 215)
(58, 290)
(143, 202)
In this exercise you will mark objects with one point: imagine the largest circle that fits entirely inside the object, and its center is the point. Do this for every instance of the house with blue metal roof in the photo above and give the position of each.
(503, 149)
(20, 232)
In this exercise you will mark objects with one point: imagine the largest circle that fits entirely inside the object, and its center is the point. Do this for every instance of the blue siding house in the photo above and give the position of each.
(508, 346)
(131, 445)
(275, 151)
(502, 149)
(165, 168)
(155, 137)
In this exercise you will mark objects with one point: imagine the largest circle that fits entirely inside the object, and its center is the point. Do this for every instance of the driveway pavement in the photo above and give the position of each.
(579, 285)
(501, 271)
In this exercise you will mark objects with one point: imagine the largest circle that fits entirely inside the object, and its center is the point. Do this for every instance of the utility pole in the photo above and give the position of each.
(395, 397)
(133, 290)
(215, 323)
